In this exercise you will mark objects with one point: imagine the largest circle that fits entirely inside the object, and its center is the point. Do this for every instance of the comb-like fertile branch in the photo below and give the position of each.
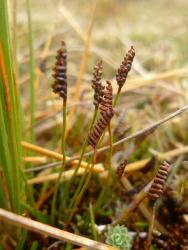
(60, 87)
(155, 191)
(97, 85)
(107, 113)
(107, 97)
(60, 72)
(120, 169)
(157, 187)
(125, 67)
(107, 104)
(99, 127)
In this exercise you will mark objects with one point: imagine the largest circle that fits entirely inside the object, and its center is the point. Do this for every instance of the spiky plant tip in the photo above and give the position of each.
(121, 168)
(125, 67)
(99, 127)
(60, 72)
(157, 187)
(97, 84)
(119, 236)
(107, 99)
(107, 112)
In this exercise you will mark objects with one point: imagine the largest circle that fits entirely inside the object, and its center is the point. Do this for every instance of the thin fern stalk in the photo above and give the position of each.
(92, 217)
(151, 225)
(84, 147)
(105, 188)
(110, 171)
(117, 97)
(81, 182)
(93, 119)
(79, 197)
(63, 164)
(110, 150)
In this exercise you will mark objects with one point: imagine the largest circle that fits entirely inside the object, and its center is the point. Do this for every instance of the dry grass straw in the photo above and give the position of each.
(41, 228)
(54, 155)
(82, 67)
(130, 168)
(35, 159)
(66, 175)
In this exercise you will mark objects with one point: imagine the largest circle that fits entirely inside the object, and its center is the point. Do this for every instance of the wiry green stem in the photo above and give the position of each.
(78, 198)
(110, 149)
(151, 227)
(92, 221)
(63, 164)
(81, 182)
(105, 187)
(78, 166)
(117, 97)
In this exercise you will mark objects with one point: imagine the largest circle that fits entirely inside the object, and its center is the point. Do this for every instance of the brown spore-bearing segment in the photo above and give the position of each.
(157, 187)
(107, 98)
(125, 67)
(96, 84)
(99, 127)
(60, 72)
(121, 168)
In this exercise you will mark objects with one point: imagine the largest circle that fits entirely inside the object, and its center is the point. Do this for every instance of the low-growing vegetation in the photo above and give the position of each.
(93, 144)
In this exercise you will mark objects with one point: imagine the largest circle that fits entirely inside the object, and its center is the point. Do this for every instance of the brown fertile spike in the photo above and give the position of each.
(60, 72)
(96, 84)
(120, 169)
(99, 127)
(157, 187)
(107, 99)
(125, 67)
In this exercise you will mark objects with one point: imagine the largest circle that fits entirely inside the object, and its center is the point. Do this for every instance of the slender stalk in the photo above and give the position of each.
(78, 165)
(63, 164)
(100, 198)
(110, 149)
(151, 227)
(117, 97)
(93, 119)
(32, 71)
(81, 182)
(106, 188)
(110, 171)
(92, 221)
(83, 188)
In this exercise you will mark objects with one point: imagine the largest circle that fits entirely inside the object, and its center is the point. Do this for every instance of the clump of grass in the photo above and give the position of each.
(12, 191)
